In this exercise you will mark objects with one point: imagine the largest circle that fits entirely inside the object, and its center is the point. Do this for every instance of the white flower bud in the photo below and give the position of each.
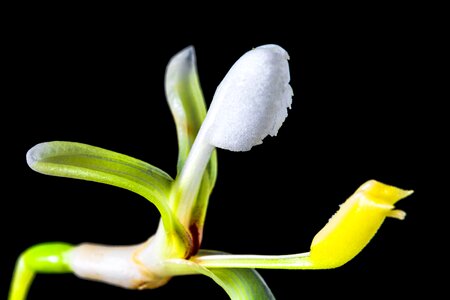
(252, 100)
(250, 103)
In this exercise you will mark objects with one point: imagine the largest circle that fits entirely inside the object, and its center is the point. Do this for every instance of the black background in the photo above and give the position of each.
(363, 108)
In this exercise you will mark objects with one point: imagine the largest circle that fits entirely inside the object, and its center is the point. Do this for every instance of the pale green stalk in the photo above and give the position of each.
(41, 258)
(22, 278)
(187, 185)
(292, 261)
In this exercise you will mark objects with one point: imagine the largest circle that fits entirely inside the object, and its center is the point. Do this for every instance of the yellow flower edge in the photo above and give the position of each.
(351, 228)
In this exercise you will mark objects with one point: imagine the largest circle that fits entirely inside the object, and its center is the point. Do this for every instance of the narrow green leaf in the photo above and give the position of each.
(83, 156)
(241, 284)
(81, 161)
(238, 283)
(187, 104)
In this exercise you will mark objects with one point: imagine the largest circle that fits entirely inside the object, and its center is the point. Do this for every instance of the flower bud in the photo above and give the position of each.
(252, 100)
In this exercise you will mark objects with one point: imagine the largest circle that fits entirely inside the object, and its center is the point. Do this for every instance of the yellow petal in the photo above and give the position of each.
(355, 223)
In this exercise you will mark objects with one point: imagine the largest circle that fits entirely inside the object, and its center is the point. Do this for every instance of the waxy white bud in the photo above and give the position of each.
(252, 100)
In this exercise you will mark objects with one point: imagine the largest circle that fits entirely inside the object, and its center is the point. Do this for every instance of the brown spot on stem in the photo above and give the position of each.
(196, 239)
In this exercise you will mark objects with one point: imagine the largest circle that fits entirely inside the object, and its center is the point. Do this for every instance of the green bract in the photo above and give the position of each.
(175, 248)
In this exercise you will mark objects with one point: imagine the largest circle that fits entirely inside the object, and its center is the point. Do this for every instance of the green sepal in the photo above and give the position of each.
(86, 162)
(187, 104)
(238, 283)
(241, 284)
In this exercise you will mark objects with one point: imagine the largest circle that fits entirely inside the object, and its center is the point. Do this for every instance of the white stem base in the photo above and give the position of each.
(116, 265)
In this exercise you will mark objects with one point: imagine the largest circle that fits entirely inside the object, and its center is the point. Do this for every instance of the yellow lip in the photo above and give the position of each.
(355, 223)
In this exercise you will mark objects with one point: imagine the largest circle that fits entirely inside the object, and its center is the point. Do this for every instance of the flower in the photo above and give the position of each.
(251, 102)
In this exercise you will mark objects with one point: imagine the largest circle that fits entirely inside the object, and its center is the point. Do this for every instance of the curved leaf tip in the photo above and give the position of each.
(35, 154)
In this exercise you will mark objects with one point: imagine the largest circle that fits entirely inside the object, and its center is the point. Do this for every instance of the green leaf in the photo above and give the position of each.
(241, 284)
(238, 283)
(187, 104)
(81, 161)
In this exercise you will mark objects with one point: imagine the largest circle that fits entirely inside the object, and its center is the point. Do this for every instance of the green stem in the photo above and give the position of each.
(22, 278)
(188, 182)
(41, 258)
(293, 261)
